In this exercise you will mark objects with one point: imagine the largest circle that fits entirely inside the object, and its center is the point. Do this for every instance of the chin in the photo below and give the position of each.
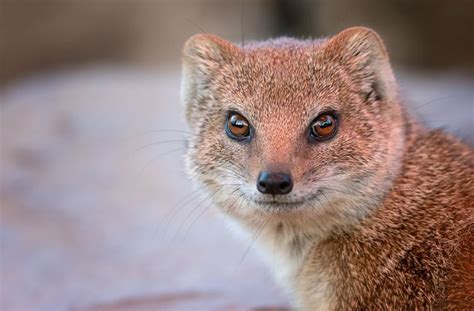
(280, 208)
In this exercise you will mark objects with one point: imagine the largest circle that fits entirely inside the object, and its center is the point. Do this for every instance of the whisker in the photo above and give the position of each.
(432, 101)
(193, 211)
(165, 131)
(242, 22)
(179, 207)
(141, 171)
(196, 208)
(195, 25)
(324, 195)
(254, 239)
(207, 208)
(163, 142)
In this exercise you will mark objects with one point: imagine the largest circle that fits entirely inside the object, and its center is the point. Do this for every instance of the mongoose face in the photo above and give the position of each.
(293, 130)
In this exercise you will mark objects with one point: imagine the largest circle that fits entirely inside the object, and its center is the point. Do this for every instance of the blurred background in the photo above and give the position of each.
(96, 210)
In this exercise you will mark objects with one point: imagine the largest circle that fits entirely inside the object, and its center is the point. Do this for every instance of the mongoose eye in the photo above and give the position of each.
(237, 127)
(324, 126)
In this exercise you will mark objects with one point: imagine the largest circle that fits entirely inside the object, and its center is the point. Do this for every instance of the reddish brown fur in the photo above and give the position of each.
(414, 251)
(381, 216)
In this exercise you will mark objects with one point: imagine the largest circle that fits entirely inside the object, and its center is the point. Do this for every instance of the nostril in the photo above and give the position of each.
(284, 185)
(264, 182)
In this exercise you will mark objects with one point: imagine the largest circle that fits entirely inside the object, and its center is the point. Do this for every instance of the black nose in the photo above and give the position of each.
(274, 183)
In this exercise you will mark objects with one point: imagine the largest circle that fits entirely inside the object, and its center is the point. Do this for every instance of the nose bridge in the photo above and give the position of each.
(277, 158)
(278, 150)
(276, 154)
(276, 167)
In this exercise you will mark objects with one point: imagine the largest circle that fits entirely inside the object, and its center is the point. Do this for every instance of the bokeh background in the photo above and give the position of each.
(96, 210)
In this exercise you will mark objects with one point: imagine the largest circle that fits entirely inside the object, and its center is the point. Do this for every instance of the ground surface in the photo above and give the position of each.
(92, 211)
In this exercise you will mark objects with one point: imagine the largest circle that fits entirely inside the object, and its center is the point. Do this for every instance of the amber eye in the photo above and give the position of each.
(237, 127)
(324, 126)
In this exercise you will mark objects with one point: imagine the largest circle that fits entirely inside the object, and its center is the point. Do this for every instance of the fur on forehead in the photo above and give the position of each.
(358, 51)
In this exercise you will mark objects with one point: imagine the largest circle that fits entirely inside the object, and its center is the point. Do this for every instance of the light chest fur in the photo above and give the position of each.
(285, 249)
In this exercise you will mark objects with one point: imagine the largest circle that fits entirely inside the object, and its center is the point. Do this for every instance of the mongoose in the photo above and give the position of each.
(306, 145)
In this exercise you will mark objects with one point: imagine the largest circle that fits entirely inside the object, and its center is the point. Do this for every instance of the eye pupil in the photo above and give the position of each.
(325, 123)
(237, 123)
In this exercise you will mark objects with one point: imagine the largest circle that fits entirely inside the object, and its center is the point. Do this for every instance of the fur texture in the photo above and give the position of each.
(380, 216)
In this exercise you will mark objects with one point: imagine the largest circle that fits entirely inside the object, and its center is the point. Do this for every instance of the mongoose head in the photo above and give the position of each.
(293, 131)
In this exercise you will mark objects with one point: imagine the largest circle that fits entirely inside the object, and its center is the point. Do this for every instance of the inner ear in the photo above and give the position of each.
(374, 93)
(362, 53)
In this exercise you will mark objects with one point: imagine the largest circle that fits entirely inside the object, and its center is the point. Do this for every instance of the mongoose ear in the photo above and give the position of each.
(361, 51)
(203, 56)
(205, 52)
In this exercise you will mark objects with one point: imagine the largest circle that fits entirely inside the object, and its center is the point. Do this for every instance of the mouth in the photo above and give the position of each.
(278, 205)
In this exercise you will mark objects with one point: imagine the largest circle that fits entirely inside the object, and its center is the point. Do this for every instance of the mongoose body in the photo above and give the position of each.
(307, 146)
